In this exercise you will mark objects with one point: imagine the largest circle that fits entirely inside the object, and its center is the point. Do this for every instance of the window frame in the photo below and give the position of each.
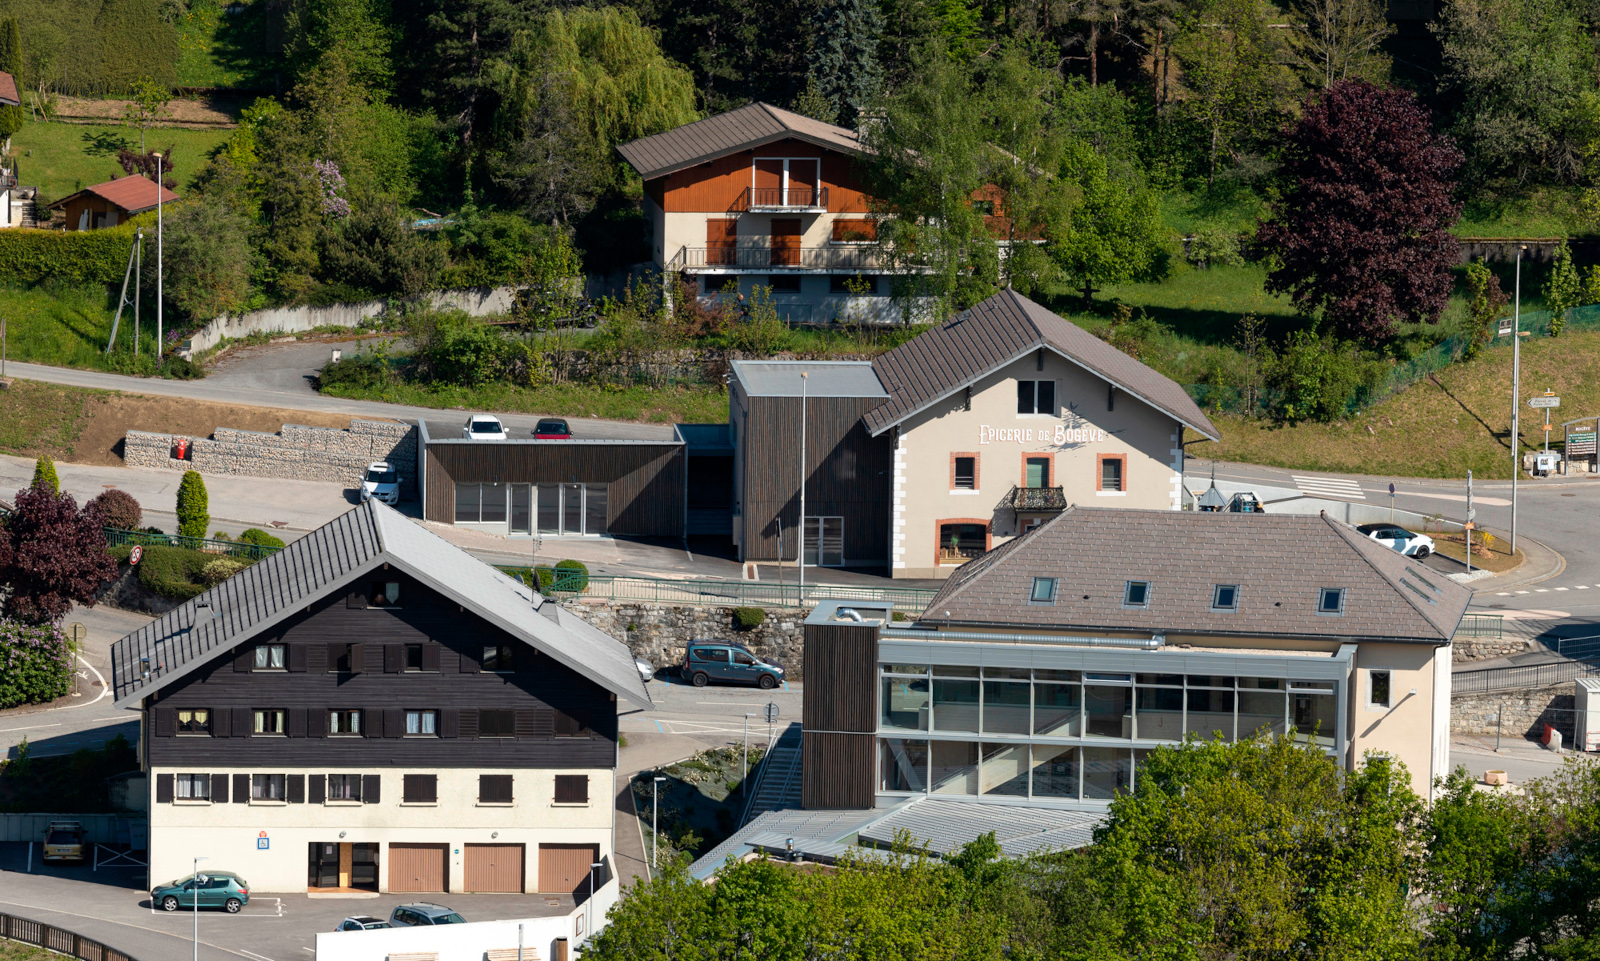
(267, 780)
(1050, 599)
(1050, 479)
(1322, 602)
(193, 728)
(1121, 460)
(178, 782)
(570, 782)
(504, 653)
(1372, 683)
(264, 652)
(1143, 603)
(355, 713)
(425, 717)
(381, 589)
(258, 715)
(496, 780)
(411, 788)
(1216, 598)
(346, 780)
(955, 474)
(407, 653)
(1053, 408)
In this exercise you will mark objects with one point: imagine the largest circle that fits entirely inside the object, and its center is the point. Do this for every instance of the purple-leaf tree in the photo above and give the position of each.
(1362, 232)
(331, 181)
(51, 555)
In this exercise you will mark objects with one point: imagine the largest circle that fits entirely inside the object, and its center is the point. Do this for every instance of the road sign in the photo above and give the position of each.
(772, 712)
(76, 632)
(1547, 428)
(1580, 442)
(1469, 525)
(1505, 326)
(1391, 490)
(135, 554)
(1548, 400)
(1472, 514)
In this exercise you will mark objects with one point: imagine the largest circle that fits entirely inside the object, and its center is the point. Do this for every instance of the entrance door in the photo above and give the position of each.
(1038, 472)
(824, 541)
(722, 239)
(323, 869)
(785, 242)
(494, 868)
(417, 868)
(521, 508)
(564, 868)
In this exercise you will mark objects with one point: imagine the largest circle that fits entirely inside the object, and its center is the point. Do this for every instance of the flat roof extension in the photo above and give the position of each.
(827, 378)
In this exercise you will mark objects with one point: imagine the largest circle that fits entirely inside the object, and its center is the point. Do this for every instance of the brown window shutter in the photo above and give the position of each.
(567, 725)
(243, 658)
(372, 657)
(450, 723)
(241, 789)
(494, 788)
(358, 658)
(219, 789)
(166, 722)
(316, 658)
(544, 723)
(297, 658)
(336, 651)
(319, 788)
(316, 722)
(163, 789)
(527, 723)
(297, 788)
(420, 789)
(394, 723)
(394, 656)
(370, 789)
(469, 723)
(371, 723)
(430, 657)
(295, 721)
(219, 723)
(242, 722)
(572, 789)
(469, 662)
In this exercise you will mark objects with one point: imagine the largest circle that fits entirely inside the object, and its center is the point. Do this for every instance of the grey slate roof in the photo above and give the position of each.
(360, 540)
(828, 378)
(1279, 562)
(748, 126)
(1002, 329)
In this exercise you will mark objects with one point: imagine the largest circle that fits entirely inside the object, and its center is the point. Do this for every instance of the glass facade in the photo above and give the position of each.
(1070, 735)
(554, 508)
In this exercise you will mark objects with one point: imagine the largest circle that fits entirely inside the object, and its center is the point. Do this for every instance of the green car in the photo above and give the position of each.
(218, 889)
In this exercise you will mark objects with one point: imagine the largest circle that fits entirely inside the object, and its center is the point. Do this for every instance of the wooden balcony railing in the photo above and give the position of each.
(785, 198)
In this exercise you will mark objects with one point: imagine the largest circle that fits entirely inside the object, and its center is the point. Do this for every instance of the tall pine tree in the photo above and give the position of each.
(11, 118)
(844, 58)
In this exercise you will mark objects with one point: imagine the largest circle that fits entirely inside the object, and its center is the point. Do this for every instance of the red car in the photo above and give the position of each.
(552, 429)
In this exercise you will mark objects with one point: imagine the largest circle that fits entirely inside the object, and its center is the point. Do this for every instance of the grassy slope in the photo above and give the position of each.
(60, 158)
(1433, 429)
(217, 49)
(69, 326)
(667, 406)
(38, 418)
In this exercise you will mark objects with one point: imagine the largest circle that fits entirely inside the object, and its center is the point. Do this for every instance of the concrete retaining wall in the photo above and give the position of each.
(296, 452)
(660, 633)
(478, 301)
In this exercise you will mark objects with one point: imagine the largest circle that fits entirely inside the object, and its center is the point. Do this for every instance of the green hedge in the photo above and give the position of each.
(68, 256)
(174, 572)
(260, 538)
(749, 618)
(572, 575)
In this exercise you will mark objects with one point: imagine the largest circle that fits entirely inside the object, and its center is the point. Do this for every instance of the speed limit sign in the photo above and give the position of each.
(135, 554)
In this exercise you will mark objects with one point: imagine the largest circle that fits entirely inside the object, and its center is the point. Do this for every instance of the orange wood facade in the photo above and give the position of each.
(719, 186)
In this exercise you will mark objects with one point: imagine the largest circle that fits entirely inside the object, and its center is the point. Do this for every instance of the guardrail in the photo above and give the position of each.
(59, 940)
(1481, 625)
(842, 257)
(711, 593)
(116, 537)
(1522, 677)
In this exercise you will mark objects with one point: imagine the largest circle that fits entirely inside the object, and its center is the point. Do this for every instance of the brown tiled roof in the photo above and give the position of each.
(1280, 562)
(749, 126)
(134, 194)
(8, 90)
(996, 332)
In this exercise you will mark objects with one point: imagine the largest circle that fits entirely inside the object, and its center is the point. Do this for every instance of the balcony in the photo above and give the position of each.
(784, 200)
(1035, 500)
(833, 258)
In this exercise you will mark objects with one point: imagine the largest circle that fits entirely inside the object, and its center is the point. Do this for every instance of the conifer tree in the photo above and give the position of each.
(194, 516)
(44, 475)
(844, 58)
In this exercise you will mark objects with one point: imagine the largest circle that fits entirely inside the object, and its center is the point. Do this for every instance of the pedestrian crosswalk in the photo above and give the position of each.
(1544, 590)
(1340, 487)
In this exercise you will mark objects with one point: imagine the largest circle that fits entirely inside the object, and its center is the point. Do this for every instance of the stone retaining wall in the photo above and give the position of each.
(659, 632)
(1484, 648)
(1526, 712)
(296, 452)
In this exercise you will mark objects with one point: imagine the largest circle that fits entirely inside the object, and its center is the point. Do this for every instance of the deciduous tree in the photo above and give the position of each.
(1563, 290)
(1484, 301)
(52, 555)
(1114, 232)
(1333, 40)
(208, 257)
(1237, 88)
(1362, 232)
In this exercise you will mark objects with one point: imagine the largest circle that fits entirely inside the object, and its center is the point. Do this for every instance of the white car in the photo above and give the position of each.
(1402, 540)
(484, 427)
(382, 482)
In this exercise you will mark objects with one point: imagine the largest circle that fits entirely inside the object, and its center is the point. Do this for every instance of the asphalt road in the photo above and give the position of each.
(87, 720)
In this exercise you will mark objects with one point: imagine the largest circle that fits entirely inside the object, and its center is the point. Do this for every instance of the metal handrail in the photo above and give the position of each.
(841, 257)
(714, 593)
(116, 537)
(59, 940)
(797, 197)
(1521, 677)
(1481, 625)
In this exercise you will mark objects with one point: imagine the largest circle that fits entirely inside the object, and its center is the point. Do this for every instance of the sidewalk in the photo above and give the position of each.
(1539, 563)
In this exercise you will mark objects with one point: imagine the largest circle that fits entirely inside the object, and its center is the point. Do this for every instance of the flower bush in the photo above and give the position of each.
(35, 664)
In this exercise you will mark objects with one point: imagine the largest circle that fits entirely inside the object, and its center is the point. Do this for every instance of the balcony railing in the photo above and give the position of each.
(785, 198)
(1036, 500)
(958, 555)
(841, 257)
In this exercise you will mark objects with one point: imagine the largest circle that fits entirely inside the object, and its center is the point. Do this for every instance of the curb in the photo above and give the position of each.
(1521, 577)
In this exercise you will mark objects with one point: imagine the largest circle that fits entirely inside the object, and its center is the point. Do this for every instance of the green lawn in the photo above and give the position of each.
(60, 158)
(17, 951)
(220, 49)
(69, 326)
(692, 405)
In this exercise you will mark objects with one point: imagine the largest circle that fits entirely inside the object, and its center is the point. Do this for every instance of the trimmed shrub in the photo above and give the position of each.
(260, 538)
(181, 368)
(117, 508)
(35, 664)
(44, 475)
(220, 570)
(572, 575)
(749, 618)
(194, 516)
(174, 572)
(72, 257)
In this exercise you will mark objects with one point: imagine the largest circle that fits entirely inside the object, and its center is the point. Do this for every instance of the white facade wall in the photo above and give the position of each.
(1414, 729)
(230, 834)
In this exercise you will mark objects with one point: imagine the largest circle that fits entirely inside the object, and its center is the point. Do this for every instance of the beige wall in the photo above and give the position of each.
(228, 834)
(1081, 430)
(681, 230)
(1410, 729)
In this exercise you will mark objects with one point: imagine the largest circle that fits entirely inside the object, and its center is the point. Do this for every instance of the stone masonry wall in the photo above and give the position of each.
(296, 452)
(1484, 648)
(1526, 712)
(659, 632)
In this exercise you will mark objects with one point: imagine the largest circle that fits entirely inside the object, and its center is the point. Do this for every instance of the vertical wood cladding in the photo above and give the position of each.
(538, 692)
(841, 669)
(848, 471)
(644, 482)
(719, 185)
(836, 770)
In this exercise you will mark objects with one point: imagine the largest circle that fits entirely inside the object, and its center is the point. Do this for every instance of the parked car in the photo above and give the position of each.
(484, 427)
(63, 841)
(382, 481)
(1402, 540)
(362, 922)
(707, 661)
(422, 914)
(552, 428)
(217, 889)
(647, 671)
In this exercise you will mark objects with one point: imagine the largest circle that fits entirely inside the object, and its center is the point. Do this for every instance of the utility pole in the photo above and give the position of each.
(1471, 516)
(655, 812)
(1516, 394)
(801, 596)
(160, 278)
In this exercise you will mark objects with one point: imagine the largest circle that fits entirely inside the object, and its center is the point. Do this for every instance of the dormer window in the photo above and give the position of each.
(1331, 601)
(1225, 597)
(1136, 594)
(1044, 591)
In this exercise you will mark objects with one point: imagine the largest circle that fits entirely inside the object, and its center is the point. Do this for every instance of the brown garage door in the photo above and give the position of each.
(564, 868)
(494, 868)
(417, 867)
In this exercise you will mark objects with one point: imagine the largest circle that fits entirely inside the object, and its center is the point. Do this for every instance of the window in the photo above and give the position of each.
(344, 659)
(499, 657)
(1136, 594)
(344, 787)
(268, 787)
(494, 789)
(497, 723)
(422, 723)
(784, 283)
(1111, 471)
(420, 789)
(413, 657)
(1036, 472)
(1036, 397)
(567, 726)
(959, 543)
(983, 208)
(384, 594)
(1331, 601)
(965, 475)
(1225, 597)
(1044, 590)
(194, 721)
(344, 722)
(269, 721)
(572, 789)
(272, 657)
(1379, 689)
(192, 787)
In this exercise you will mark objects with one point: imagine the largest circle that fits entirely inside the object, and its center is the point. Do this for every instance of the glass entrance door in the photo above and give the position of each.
(521, 508)
(824, 542)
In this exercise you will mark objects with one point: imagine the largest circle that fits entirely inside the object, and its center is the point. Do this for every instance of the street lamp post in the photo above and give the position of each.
(194, 897)
(593, 867)
(160, 279)
(801, 558)
(1516, 394)
(655, 810)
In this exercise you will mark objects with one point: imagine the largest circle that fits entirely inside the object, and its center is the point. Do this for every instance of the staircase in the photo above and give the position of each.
(778, 777)
(29, 206)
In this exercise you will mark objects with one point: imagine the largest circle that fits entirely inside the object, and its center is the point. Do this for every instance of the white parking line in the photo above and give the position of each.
(1522, 592)
(254, 955)
(35, 727)
(1561, 588)
(1502, 593)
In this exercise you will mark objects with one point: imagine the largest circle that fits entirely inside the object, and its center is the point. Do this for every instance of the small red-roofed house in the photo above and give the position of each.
(111, 203)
